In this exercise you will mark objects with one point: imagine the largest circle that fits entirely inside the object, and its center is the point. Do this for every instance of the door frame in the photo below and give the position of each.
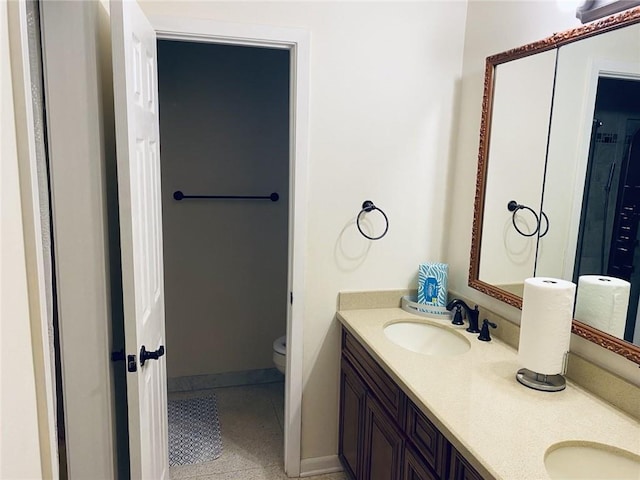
(297, 42)
(38, 362)
(597, 68)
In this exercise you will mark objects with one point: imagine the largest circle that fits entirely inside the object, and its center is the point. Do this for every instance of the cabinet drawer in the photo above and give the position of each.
(415, 468)
(427, 439)
(382, 386)
(461, 469)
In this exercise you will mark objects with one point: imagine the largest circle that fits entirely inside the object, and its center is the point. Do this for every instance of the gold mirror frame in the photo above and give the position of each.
(629, 17)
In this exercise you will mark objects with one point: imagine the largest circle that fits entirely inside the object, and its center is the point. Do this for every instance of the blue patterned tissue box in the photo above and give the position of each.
(432, 284)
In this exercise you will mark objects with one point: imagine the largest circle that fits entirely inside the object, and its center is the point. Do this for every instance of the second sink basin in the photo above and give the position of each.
(588, 460)
(426, 338)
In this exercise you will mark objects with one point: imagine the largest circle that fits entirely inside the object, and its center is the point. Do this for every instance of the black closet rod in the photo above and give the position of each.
(274, 197)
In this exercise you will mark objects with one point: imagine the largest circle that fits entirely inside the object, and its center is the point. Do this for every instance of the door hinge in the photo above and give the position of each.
(291, 298)
(117, 356)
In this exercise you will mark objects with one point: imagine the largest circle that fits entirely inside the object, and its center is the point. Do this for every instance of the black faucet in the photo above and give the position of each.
(472, 315)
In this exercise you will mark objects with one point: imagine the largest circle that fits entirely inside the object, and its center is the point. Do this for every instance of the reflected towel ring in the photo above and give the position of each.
(368, 206)
(546, 230)
(514, 206)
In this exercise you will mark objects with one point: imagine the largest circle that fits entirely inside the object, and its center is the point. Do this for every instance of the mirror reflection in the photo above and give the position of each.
(558, 136)
(608, 236)
(591, 189)
(517, 147)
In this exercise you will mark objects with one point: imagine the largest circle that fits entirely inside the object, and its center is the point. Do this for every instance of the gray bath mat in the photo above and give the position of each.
(194, 431)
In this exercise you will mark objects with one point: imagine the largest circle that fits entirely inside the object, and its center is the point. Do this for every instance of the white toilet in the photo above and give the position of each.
(280, 353)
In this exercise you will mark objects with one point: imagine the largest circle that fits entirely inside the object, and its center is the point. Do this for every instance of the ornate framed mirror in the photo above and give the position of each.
(536, 167)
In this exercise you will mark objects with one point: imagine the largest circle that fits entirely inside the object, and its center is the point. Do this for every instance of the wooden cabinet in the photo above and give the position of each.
(383, 444)
(415, 468)
(381, 386)
(460, 468)
(427, 439)
(352, 402)
(383, 435)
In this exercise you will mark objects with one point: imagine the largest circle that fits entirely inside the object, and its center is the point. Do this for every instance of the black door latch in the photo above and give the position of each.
(131, 363)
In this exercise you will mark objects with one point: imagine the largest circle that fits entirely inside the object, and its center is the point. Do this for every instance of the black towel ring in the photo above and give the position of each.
(368, 206)
(514, 206)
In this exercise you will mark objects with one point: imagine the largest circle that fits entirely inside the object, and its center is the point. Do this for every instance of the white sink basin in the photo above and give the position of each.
(588, 460)
(427, 338)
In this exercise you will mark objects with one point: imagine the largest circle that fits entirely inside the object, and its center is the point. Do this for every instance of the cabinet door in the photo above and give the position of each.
(461, 469)
(381, 385)
(352, 405)
(383, 444)
(415, 468)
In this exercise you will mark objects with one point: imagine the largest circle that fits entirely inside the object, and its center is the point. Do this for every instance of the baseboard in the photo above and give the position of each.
(228, 379)
(320, 466)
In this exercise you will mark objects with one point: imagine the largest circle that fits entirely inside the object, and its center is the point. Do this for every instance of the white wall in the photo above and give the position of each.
(20, 454)
(493, 27)
(383, 85)
(224, 128)
(28, 101)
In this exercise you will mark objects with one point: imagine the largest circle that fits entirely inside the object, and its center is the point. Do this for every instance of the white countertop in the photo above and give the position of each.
(475, 399)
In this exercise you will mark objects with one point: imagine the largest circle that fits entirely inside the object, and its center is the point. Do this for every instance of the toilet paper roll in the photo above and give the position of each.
(602, 303)
(545, 326)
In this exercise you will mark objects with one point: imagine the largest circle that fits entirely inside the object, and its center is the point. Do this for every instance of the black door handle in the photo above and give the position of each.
(144, 355)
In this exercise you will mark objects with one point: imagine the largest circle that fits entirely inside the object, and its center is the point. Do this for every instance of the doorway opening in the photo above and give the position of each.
(609, 232)
(296, 43)
(225, 135)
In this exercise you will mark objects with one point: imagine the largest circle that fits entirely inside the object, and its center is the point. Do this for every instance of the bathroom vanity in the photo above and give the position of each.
(383, 434)
(408, 415)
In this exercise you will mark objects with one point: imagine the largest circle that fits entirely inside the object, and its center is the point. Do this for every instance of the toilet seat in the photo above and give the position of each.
(280, 345)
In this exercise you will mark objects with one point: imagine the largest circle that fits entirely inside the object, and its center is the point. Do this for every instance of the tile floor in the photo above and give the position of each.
(251, 420)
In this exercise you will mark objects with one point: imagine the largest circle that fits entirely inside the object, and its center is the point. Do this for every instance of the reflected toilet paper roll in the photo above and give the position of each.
(602, 303)
(545, 326)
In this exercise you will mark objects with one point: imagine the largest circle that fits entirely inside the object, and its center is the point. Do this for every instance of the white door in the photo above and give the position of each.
(138, 151)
